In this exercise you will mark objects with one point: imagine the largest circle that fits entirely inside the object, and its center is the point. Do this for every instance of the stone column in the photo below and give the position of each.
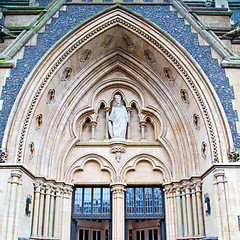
(118, 226)
(63, 210)
(142, 126)
(184, 208)
(189, 210)
(15, 182)
(107, 110)
(93, 125)
(57, 211)
(200, 208)
(52, 203)
(167, 211)
(194, 208)
(46, 210)
(129, 110)
(220, 182)
(40, 219)
(69, 211)
(172, 215)
(37, 187)
(179, 212)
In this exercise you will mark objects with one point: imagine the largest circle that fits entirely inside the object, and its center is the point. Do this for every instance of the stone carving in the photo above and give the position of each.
(39, 121)
(66, 74)
(184, 95)
(128, 41)
(3, 156)
(107, 40)
(234, 33)
(168, 73)
(234, 155)
(85, 55)
(204, 150)
(5, 33)
(32, 150)
(196, 121)
(149, 55)
(51, 96)
(118, 151)
(118, 119)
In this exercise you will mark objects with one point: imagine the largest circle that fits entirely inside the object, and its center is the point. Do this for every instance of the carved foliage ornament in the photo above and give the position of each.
(128, 41)
(184, 95)
(149, 56)
(107, 40)
(66, 74)
(51, 96)
(168, 73)
(39, 121)
(85, 55)
(3, 155)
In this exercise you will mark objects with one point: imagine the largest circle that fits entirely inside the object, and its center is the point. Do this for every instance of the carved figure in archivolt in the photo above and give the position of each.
(118, 119)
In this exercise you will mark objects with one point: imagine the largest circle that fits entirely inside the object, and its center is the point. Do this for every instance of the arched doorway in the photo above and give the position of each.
(170, 138)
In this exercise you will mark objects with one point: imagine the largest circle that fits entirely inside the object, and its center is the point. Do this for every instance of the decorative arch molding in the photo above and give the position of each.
(78, 165)
(54, 63)
(156, 163)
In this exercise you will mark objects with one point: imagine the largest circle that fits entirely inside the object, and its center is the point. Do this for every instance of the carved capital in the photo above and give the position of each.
(118, 188)
(118, 151)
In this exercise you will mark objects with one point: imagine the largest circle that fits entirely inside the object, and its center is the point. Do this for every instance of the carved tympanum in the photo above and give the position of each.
(85, 55)
(66, 74)
(196, 121)
(184, 95)
(168, 73)
(149, 56)
(128, 41)
(107, 40)
(51, 96)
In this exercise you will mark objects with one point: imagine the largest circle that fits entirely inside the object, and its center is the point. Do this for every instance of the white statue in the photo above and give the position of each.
(118, 120)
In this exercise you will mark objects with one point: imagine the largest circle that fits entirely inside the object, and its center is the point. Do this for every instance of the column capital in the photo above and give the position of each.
(219, 175)
(118, 187)
(107, 109)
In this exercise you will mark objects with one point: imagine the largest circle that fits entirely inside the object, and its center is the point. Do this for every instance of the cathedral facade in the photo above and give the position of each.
(119, 120)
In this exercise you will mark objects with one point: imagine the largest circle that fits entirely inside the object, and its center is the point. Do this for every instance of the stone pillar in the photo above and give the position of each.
(220, 182)
(167, 211)
(184, 208)
(68, 212)
(52, 203)
(107, 110)
(200, 208)
(179, 212)
(118, 226)
(15, 182)
(63, 211)
(189, 210)
(93, 125)
(129, 110)
(40, 219)
(37, 187)
(172, 215)
(46, 210)
(57, 211)
(142, 126)
(194, 208)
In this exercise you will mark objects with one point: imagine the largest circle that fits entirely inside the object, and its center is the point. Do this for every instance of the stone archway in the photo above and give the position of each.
(64, 104)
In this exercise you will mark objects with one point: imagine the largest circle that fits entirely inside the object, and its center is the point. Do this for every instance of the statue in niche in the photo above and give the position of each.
(118, 119)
